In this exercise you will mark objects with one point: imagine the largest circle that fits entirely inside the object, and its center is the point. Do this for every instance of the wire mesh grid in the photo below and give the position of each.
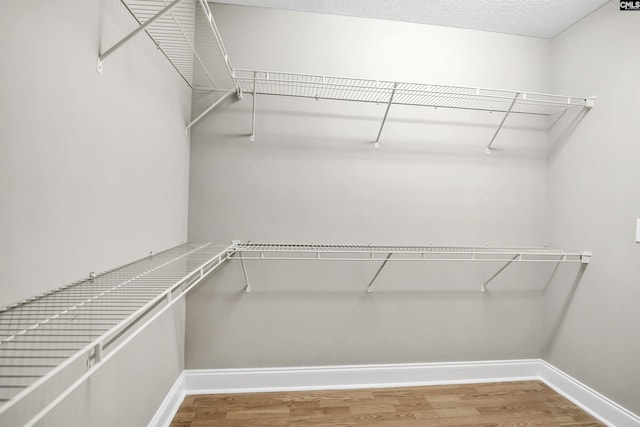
(398, 93)
(183, 35)
(173, 33)
(400, 252)
(39, 334)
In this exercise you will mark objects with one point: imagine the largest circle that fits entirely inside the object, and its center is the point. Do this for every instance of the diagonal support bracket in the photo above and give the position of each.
(484, 285)
(386, 113)
(247, 287)
(370, 287)
(513, 102)
(128, 37)
(211, 107)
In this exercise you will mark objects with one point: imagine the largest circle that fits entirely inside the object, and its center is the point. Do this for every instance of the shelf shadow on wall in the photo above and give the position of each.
(561, 316)
(409, 120)
(465, 287)
(559, 141)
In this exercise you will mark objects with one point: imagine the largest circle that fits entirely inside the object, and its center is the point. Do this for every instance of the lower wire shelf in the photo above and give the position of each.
(83, 323)
(385, 253)
(76, 328)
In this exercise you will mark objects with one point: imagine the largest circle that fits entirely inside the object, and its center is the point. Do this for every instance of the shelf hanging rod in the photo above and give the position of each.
(142, 27)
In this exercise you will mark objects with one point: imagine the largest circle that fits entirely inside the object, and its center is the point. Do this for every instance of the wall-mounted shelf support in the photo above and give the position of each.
(386, 113)
(128, 37)
(247, 287)
(211, 107)
(370, 287)
(253, 113)
(515, 98)
(484, 285)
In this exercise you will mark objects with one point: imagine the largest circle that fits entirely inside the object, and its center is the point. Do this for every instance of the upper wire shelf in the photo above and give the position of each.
(399, 93)
(183, 32)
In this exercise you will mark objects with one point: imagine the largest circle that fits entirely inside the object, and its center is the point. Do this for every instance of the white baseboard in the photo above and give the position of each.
(216, 381)
(356, 376)
(167, 410)
(586, 398)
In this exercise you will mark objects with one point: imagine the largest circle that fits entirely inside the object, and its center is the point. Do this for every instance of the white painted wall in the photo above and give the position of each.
(313, 176)
(595, 202)
(93, 174)
(93, 168)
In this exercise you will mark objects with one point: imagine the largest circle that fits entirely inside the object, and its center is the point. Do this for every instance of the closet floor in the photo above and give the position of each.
(524, 403)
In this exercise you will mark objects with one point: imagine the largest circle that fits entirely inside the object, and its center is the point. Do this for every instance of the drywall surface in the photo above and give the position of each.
(595, 202)
(128, 389)
(93, 168)
(312, 175)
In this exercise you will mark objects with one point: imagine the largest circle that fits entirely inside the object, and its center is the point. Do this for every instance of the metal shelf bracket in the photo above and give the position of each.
(515, 98)
(386, 113)
(247, 287)
(484, 285)
(211, 107)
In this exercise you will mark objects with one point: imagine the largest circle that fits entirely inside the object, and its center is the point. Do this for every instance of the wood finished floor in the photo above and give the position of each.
(528, 403)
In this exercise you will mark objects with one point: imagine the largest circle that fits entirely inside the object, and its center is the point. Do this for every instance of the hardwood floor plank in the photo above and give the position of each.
(522, 404)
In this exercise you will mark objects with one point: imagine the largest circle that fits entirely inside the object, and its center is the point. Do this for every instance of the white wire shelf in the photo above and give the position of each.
(86, 321)
(278, 251)
(385, 253)
(260, 82)
(183, 32)
(186, 35)
(399, 93)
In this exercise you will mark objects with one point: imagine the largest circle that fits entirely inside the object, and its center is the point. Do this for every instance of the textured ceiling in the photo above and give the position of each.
(536, 18)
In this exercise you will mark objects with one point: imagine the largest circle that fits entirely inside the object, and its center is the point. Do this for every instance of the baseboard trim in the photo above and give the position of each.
(356, 376)
(216, 381)
(169, 406)
(586, 398)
